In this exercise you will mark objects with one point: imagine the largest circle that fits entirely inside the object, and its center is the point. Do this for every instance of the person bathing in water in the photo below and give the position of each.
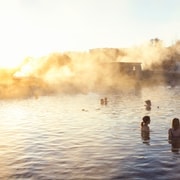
(145, 130)
(174, 132)
(148, 105)
(174, 135)
(104, 101)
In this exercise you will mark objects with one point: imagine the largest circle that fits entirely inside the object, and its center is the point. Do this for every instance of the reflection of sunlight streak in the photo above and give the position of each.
(18, 114)
(9, 143)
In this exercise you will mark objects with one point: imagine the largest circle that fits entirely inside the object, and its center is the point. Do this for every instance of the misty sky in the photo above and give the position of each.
(37, 27)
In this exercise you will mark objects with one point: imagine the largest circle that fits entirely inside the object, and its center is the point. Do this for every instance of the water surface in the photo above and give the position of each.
(74, 137)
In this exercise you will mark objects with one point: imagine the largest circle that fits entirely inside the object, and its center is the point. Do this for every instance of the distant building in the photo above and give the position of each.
(133, 69)
(178, 67)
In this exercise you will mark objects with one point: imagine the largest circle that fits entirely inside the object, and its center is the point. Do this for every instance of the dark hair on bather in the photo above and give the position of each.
(175, 123)
(146, 120)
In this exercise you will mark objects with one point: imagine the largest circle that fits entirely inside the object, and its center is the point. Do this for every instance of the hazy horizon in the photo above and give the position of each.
(39, 27)
(48, 41)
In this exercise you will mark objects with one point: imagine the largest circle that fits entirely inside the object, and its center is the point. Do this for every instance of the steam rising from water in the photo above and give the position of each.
(78, 72)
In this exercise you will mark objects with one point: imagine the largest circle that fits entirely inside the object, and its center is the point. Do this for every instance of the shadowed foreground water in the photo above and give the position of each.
(74, 137)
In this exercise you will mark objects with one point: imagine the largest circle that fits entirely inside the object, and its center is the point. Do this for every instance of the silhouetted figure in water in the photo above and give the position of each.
(104, 101)
(148, 105)
(174, 135)
(145, 130)
(85, 110)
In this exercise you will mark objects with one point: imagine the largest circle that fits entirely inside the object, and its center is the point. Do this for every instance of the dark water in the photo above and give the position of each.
(74, 137)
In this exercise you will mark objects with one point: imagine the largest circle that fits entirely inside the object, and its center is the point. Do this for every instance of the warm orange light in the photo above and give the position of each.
(10, 60)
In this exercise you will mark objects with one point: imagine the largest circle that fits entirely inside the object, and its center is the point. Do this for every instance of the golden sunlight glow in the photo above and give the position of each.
(10, 59)
(24, 71)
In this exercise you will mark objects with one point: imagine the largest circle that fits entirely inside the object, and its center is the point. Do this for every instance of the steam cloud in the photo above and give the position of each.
(81, 72)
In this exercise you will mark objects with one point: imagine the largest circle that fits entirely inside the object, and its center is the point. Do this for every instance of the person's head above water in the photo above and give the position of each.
(175, 123)
(146, 120)
(148, 102)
